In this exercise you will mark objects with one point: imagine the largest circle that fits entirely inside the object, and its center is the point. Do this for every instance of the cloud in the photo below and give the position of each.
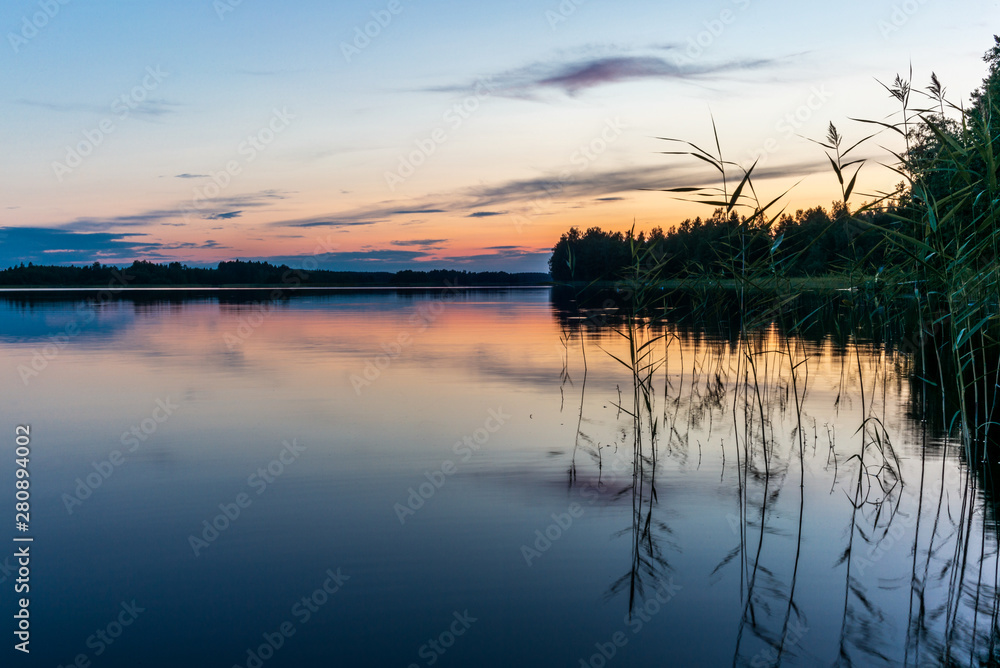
(549, 192)
(47, 245)
(581, 73)
(59, 246)
(190, 245)
(265, 73)
(609, 199)
(373, 259)
(485, 214)
(585, 185)
(322, 221)
(419, 242)
(63, 107)
(148, 107)
(512, 260)
(191, 176)
(218, 208)
(365, 216)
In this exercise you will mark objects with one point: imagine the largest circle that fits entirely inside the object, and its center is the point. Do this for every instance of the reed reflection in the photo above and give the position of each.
(802, 405)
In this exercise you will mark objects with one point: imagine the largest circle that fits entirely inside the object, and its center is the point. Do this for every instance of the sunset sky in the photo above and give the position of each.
(452, 134)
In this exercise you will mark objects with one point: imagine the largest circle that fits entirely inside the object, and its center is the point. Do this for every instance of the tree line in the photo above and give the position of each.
(809, 242)
(245, 273)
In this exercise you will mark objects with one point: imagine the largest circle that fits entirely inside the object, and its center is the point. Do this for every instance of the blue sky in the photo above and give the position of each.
(453, 134)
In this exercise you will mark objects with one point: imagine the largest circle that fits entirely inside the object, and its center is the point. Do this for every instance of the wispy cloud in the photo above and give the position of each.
(609, 183)
(191, 176)
(267, 73)
(556, 189)
(63, 107)
(323, 221)
(150, 107)
(356, 217)
(419, 242)
(219, 208)
(485, 214)
(225, 216)
(581, 73)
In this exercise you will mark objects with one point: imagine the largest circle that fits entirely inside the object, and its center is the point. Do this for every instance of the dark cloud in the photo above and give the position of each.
(374, 259)
(419, 242)
(485, 214)
(322, 221)
(366, 216)
(550, 193)
(585, 185)
(191, 176)
(573, 76)
(218, 208)
(44, 245)
(609, 199)
(513, 260)
(151, 217)
(211, 243)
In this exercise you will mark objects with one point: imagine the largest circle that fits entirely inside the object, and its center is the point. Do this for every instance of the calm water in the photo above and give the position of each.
(410, 451)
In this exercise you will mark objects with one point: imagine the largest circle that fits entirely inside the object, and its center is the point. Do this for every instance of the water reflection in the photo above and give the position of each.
(793, 490)
(766, 390)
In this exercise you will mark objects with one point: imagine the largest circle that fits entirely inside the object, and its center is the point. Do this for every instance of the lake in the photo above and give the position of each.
(450, 478)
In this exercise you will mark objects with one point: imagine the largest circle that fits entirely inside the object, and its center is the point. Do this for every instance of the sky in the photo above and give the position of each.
(391, 134)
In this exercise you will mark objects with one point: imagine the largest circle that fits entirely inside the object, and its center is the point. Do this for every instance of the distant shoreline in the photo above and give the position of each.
(260, 288)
